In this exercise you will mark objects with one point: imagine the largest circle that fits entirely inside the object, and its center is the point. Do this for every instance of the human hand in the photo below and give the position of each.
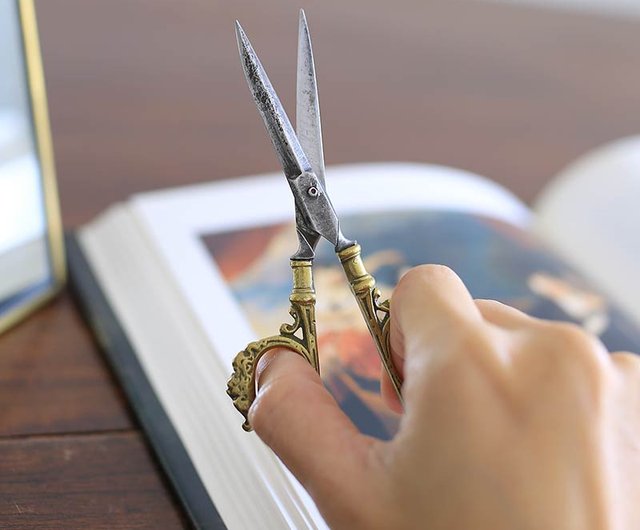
(509, 422)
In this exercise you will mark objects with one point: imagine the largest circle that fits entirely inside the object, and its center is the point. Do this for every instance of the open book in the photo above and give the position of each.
(176, 282)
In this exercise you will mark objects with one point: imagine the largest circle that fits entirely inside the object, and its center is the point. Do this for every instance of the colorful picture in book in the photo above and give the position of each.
(493, 258)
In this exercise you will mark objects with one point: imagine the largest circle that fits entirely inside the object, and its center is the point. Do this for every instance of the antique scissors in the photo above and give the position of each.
(302, 160)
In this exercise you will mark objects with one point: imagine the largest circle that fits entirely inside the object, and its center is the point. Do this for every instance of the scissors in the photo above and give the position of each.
(301, 155)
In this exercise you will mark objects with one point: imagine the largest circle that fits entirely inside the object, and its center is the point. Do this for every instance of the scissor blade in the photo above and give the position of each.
(290, 152)
(308, 126)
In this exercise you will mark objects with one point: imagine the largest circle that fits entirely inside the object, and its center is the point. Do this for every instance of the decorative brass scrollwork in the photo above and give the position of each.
(241, 387)
(375, 313)
(300, 335)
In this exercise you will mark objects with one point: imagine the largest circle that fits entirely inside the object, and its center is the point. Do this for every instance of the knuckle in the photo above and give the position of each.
(627, 362)
(566, 332)
(574, 341)
(502, 314)
(424, 274)
(487, 306)
(575, 351)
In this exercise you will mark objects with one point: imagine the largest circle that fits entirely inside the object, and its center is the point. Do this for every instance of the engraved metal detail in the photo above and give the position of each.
(363, 286)
(241, 387)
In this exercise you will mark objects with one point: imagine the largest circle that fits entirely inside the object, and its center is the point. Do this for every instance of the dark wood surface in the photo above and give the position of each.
(145, 94)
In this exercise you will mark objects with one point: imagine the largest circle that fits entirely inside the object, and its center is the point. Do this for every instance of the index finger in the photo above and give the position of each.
(429, 305)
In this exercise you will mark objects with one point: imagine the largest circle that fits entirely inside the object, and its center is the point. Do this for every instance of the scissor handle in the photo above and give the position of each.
(241, 387)
(375, 313)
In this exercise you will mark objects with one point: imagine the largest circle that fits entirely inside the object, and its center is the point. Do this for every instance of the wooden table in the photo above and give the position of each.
(145, 94)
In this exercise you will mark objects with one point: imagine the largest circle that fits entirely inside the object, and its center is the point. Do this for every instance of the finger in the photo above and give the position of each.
(502, 315)
(297, 417)
(430, 305)
(627, 364)
(388, 392)
(627, 369)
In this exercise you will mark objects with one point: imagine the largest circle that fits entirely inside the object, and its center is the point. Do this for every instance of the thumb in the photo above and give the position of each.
(301, 422)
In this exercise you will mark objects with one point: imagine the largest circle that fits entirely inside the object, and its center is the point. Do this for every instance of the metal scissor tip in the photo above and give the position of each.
(301, 154)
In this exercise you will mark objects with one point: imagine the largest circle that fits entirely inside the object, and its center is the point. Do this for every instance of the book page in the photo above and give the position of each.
(209, 238)
(181, 368)
(590, 215)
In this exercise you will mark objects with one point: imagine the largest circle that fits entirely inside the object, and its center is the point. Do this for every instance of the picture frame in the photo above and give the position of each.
(41, 134)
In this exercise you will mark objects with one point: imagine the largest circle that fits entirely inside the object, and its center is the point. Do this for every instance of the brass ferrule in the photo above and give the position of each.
(354, 268)
(303, 291)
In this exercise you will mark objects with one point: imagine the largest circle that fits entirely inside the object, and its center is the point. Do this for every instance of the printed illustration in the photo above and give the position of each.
(493, 258)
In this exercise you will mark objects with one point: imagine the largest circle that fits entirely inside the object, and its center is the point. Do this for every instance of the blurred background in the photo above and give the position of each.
(606, 7)
(150, 93)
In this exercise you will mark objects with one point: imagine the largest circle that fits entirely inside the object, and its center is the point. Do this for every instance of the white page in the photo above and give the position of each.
(179, 365)
(590, 214)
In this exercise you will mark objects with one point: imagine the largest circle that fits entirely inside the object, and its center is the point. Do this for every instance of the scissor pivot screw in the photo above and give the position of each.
(313, 191)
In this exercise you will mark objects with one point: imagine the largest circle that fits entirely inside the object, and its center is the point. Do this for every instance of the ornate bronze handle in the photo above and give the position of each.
(376, 314)
(241, 387)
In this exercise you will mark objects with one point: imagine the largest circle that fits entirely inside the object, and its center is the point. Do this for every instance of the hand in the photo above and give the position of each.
(510, 422)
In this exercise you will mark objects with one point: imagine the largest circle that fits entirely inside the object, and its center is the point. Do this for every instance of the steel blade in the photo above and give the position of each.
(308, 126)
(290, 152)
